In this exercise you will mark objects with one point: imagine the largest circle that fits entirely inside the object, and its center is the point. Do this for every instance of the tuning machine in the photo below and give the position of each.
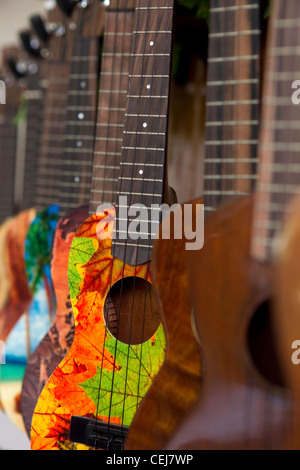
(17, 68)
(68, 6)
(30, 44)
(45, 30)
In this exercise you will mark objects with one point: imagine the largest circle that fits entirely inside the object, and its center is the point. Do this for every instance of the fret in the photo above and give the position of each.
(107, 167)
(152, 180)
(127, 243)
(88, 76)
(223, 34)
(232, 82)
(232, 108)
(81, 108)
(279, 177)
(225, 193)
(147, 99)
(229, 177)
(81, 92)
(111, 106)
(164, 116)
(232, 142)
(287, 23)
(232, 123)
(104, 178)
(108, 139)
(232, 102)
(267, 224)
(144, 164)
(87, 59)
(233, 8)
(80, 123)
(53, 131)
(233, 58)
(154, 149)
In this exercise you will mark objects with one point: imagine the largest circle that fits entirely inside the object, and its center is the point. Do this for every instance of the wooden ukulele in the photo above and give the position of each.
(27, 298)
(245, 402)
(110, 365)
(232, 119)
(114, 69)
(70, 181)
(286, 312)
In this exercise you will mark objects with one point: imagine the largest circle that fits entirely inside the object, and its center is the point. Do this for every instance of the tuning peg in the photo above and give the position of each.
(15, 68)
(30, 46)
(66, 6)
(39, 27)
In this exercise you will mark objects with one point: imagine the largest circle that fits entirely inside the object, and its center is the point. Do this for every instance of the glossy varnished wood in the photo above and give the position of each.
(287, 311)
(178, 383)
(238, 408)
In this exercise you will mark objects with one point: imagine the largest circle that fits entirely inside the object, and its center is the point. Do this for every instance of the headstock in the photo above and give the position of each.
(85, 17)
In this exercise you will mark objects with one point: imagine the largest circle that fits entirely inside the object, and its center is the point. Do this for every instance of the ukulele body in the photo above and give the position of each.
(287, 312)
(19, 298)
(24, 336)
(100, 376)
(241, 405)
(58, 340)
(177, 385)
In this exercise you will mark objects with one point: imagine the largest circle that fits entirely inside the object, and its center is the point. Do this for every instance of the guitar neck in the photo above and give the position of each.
(49, 162)
(145, 129)
(8, 138)
(31, 128)
(279, 172)
(73, 183)
(232, 117)
(119, 22)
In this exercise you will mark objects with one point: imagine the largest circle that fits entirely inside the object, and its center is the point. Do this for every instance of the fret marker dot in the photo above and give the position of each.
(77, 179)
(141, 172)
(148, 86)
(80, 116)
(151, 43)
(145, 125)
(82, 84)
(79, 143)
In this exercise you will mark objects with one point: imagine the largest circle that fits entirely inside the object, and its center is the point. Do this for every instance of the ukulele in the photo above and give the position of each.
(14, 294)
(232, 117)
(245, 402)
(26, 300)
(110, 366)
(73, 187)
(286, 312)
(8, 139)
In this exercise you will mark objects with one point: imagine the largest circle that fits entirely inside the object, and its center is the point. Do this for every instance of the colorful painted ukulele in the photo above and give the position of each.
(23, 324)
(232, 120)
(73, 188)
(119, 343)
(245, 402)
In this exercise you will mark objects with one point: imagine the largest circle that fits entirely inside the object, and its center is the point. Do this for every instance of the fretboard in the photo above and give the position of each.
(232, 117)
(145, 129)
(119, 22)
(74, 179)
(8, 138)
(32, 125)
(279, 172)
(50, 160)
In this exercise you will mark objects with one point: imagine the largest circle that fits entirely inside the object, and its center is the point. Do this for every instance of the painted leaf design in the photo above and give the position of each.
(118, 392)
(99, 376)
(38, 247)
(81, 251)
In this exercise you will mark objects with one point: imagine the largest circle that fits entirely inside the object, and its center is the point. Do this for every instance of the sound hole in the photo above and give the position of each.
(262, 345)
(131, 312)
